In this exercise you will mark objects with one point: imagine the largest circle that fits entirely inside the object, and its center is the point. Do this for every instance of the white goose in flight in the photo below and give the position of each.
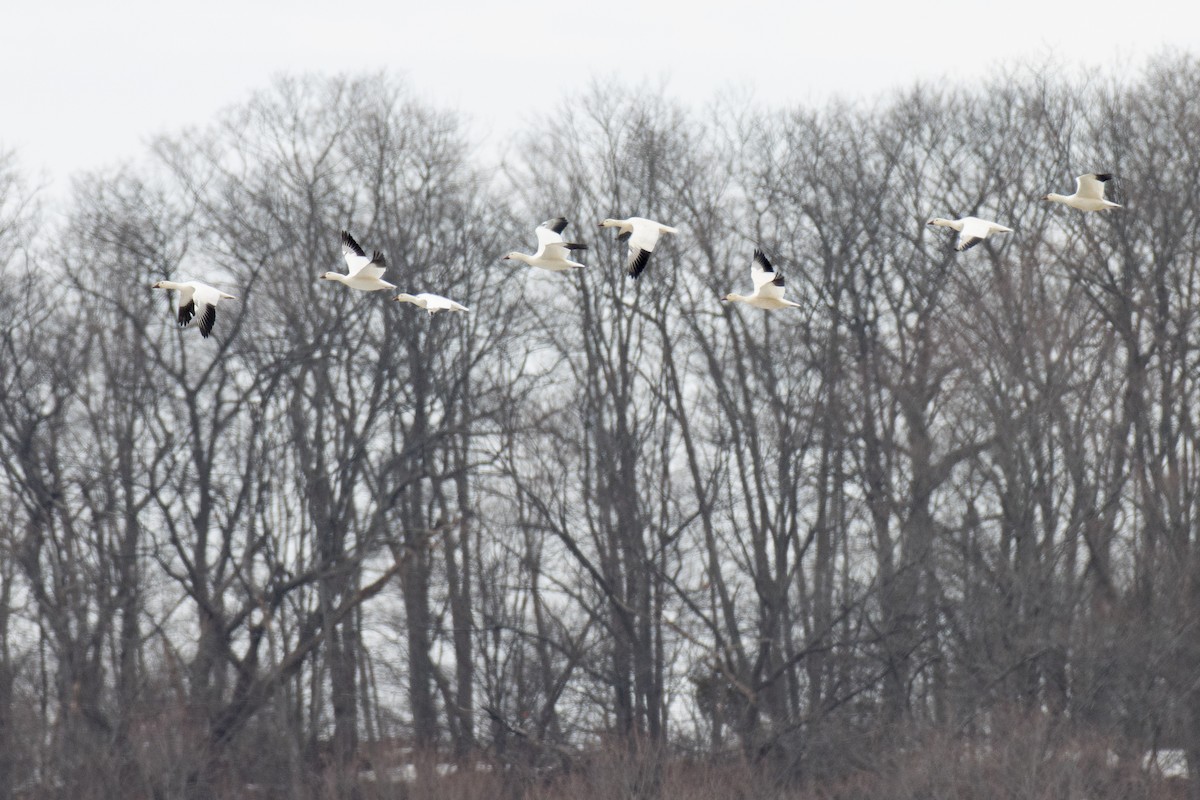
(971, 230)
(432, 303)
(197, 303)
(364, 273)
(1089, 193)
(643, 235)
(768, 286)
(553, 251)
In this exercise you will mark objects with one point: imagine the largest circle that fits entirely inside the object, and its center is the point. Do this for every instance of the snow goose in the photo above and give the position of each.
(363, 273)
(971, 230)
(432, 303)
(1089, 193)
(643, 235)
(552, 249)
(768, 286)
(197, 303)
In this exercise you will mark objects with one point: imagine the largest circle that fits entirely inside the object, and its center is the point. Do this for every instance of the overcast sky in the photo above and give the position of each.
(85, 86)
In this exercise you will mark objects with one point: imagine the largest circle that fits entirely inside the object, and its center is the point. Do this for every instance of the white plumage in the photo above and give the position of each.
(971, 230)
(197, 304)
(432, 303)
(768, 286)
(1089, 194)
(364, 274)
(642, 235)
(553, 251)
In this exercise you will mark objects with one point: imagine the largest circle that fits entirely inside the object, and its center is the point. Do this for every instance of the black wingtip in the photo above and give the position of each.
(378, 260)
(638, 262)
(968, 244)
(760, 258)
(206, 322)
(575, 245)
(348, 241)
(558, 224)
(186, 312)
(778, 281)
(1103, 176)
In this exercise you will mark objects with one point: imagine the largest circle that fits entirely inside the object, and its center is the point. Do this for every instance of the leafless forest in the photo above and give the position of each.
(935, 534)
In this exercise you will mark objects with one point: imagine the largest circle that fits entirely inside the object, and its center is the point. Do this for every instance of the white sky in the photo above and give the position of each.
(84, 85)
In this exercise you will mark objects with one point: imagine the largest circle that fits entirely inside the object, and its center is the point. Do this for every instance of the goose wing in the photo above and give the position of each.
(549, 236)
(973, 232)
(373, 268)
(208, 316)
(204, 302)
(768, 282)
(356, 259)
(761, 270)
(642, 239)
(1091, 186)
(556, 225)
(187, 305)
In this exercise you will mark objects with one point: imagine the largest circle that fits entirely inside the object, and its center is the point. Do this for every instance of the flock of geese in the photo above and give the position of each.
(1089, 196)
(197, 304)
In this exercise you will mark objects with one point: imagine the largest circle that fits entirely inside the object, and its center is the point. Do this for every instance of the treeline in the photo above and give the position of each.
(932, 534)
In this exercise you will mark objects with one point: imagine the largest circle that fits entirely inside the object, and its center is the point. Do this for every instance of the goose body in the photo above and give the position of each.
(197, 304)
(363, 273)
(432, 303)
(553, 251)
(642, 235)
(971, 230)
(1089, 194)
(768, 286)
